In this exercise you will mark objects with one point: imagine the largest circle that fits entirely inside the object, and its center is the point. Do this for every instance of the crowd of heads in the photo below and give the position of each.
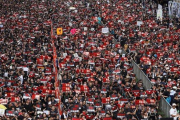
(94, 65)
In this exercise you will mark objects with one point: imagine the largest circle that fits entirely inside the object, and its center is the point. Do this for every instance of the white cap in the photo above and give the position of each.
(174, 87)
(174, 104)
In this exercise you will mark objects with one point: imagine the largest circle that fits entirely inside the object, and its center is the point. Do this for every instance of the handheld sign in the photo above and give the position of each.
(139, 23)
(59, 31)
(73, 31)
(105, 30)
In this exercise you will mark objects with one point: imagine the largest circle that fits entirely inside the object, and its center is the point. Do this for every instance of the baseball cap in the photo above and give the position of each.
(174, 104)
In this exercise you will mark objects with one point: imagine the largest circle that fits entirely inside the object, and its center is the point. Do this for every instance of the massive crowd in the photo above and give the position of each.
(96, 77)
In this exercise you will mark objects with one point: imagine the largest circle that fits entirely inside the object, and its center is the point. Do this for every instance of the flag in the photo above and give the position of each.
(2, 111)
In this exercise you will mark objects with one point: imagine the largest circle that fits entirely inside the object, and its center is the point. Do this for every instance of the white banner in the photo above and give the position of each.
(159, 14)
(159, 6)
(139, 23)
(2, 111)
(105, 30)
(178, 15)
(174, 9)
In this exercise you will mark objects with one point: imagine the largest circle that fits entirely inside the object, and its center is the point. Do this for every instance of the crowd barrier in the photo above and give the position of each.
(140, 75)
(58, 93)
(163, 105)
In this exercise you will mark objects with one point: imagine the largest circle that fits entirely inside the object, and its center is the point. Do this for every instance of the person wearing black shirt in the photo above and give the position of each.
(124, 73)
(176, 101)
(137, 58)
(152, 114)
(28, 105)
(123, 41)
(129, 112)
(166, 93)
(139, 86)
(32, 111)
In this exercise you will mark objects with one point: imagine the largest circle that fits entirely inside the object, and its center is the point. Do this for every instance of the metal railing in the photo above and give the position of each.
(165, 106)
(141, 75)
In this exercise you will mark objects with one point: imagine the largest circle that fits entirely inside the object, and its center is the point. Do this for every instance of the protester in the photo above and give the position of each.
(91, 50)
(173, 112)
(95, 75)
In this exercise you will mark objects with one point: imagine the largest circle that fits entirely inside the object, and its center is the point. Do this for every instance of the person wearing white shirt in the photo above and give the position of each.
(173, 112)
(64, 115)
(21, 78)
(173, 91)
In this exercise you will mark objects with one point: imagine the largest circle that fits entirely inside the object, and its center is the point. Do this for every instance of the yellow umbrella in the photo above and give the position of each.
(2, 107)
